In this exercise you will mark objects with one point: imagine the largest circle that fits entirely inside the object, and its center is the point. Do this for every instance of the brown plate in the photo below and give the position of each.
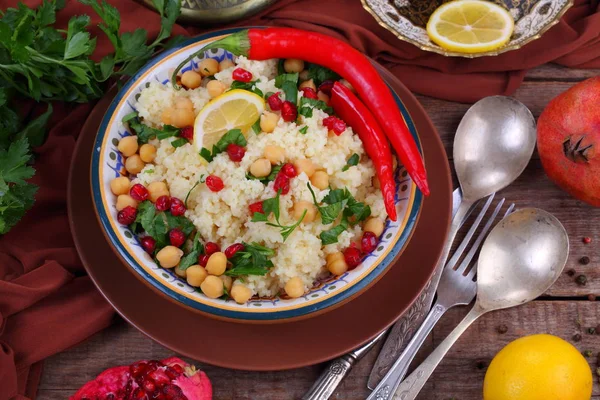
(261, 347)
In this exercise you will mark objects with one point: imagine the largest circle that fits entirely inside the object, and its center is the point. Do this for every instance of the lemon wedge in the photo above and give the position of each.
(470, 26)
(236, 109)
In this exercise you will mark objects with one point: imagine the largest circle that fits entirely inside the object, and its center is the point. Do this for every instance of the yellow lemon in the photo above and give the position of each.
(236, 109)
(538, 367)
(470, 26)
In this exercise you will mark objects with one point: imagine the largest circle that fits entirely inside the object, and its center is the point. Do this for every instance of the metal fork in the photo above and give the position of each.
(456, 287)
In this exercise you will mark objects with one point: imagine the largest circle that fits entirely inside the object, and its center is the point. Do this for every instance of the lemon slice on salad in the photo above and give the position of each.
(236, 109)
(470, 26)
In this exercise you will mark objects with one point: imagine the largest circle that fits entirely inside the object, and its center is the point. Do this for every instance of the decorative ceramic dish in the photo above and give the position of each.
(217, 11)
(407, 19)
(107, 163)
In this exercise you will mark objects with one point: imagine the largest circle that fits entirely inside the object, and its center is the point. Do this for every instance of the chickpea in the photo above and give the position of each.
(125, 200)
(128, 146)
(183, 102)
(208, 67)
(274, 154)
(306, 166)
(169, 256)
(308, 84)
(260, 168)
(226, 63)
(217, 263)
(374, 225)
(157, 189)
(227, 282)
(215, 88)
(182, 117)
(311, 211)
(375, 182)
(323, 97)
(292, 65)
(182, 273)
(196, 274)
(294, 287)
(334, 256)
(212, 287)
(191, 79)
(348, 85)
(120, 185)
(337, 266)
(147, 152)
(303, 75)
(134, 164)
(167, 116)
(320, 180)
(268, 121)
(240, 293)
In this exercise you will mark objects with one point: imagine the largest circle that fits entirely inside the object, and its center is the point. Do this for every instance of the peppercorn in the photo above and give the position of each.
(571, 272)
(502, 329)
(591, 297)
(577, 337)
(587, 240)
(585, 260)
(591, 331)
(581, 280)
(481, 364)
(587, 353)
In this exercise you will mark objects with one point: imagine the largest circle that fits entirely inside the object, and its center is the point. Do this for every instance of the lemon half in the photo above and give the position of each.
(236, 109)
(470, 26)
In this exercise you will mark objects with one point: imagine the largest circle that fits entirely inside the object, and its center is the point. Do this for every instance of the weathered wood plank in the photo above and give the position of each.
(555, 72)
(460, 375)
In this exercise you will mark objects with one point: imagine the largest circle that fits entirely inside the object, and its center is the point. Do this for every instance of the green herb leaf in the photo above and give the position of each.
(13, 163)
(167, 132)
(253, 260)
(256, 127)
(303, 130)
(192, 257)
(306, 107)
(280, 79)
(35, 131)
(330, 213)
(331, 236)
(205, 153)
(249, 86)
(360, 211)
(234, 136)
(336, 196)
(290, 91)
(352, 161)
(179, 142)
(201, 180)
(319, 74)
(180, 222)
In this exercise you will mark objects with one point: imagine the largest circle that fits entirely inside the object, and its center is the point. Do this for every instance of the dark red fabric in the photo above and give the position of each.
(47, 304)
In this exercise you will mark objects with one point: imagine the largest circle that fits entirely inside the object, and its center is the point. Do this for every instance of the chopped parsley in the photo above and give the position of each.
(280, 79)
(253, 260)
(352, 161)
(249, 86)
(303, 130)
(179, 142)
(272, 206)
(234, 136)
(306, 107)
(256, 126)
(319, 74)
(187, 196)
(144, 132)
(157, 225)
(192, 257)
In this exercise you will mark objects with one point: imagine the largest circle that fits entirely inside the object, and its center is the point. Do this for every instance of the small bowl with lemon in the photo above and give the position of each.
(468, 28)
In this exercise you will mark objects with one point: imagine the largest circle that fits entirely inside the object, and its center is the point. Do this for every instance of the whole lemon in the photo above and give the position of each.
(538, 367)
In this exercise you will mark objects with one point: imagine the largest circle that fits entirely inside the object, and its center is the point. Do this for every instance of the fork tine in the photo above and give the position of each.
(465, 263)
(461, 248)
(473, 270)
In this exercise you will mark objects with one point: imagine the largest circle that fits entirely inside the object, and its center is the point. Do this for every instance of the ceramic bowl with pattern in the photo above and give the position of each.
(107, 163)
(407, 19)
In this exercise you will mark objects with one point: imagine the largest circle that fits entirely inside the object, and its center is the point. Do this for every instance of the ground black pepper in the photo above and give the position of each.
(577, 337)
(585, 260)
(571, 272)
(502, 329)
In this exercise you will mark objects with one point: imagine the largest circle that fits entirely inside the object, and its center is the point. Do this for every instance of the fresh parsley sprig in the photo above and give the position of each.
(144, 132)
(253, 260)
(158, 224)
(352, 161)
(234, 136)
(272, 206)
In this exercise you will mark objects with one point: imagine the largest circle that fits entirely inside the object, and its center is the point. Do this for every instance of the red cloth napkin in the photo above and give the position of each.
(47, 304)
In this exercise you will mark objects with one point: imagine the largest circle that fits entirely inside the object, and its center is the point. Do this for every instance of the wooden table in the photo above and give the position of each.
(565, 310)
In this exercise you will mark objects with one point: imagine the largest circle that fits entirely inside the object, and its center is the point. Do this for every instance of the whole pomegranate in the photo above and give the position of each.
(568, 136)
(169, 379)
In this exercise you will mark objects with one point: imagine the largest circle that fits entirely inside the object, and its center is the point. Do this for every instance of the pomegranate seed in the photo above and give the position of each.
(139, 192)
(211, 248)
(139, 394)
(234, 248)
(368, 243)
(275, 102)
(171, 373)
(289, 112)
(203, 259)
(176, 237)
(282, 182)
(587, 240)
(236, 152)
(309, 93)
(289, 170)
(148, 385)
(256, 208)
(177, 207)
(352, 257)
(148, 244)
(335, 124)
(214, 183)
(138, 368)
(154, 364)
(240, 74)
(163, 203)
(159, 377)
(127, 215)
(187, 132)
(326, 87)
(178, 368)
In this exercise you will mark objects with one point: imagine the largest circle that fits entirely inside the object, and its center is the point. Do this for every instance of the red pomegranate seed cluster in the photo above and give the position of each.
(214, 183)
(177, 207)
(309, 93)
(138, 192)
(275, 102)
(187, 133)
(334, 124)
(234, 248)
(127, 215)
(176, 237)
(235, 152)
(154, 381)
(163, 203)
(256, 208)
(240, 74)
(289, 112)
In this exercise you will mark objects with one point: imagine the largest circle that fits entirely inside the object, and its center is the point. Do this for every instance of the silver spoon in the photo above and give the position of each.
(492, 147)
(521, 258)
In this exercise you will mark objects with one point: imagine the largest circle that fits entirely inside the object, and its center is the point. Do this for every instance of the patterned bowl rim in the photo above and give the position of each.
(219, 310)
(439, 50)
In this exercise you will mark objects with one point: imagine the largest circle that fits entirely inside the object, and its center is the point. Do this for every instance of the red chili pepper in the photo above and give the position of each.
(264, 44)
(362, 121)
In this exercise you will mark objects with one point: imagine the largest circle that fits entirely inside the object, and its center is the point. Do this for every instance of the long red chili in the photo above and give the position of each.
(363, 122)
(263, 44)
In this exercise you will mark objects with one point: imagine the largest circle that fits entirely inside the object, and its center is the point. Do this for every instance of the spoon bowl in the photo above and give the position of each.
(493, 145)
(521, 258)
